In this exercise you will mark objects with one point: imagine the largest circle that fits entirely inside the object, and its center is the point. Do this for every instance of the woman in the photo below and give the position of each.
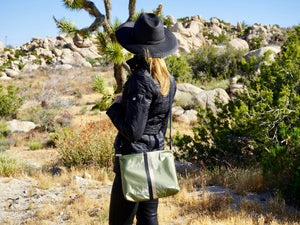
(141, 114)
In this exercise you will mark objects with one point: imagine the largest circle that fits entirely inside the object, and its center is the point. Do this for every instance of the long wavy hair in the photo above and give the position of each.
(160, 73)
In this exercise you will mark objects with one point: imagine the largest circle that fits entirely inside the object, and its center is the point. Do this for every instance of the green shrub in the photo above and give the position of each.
(4, 131)
(99, 84)
(261, 126)
(105, 103)
(10, 164)
(256, 43)
(10, 102)
(211, 62)
(91, 145)
(179, 68)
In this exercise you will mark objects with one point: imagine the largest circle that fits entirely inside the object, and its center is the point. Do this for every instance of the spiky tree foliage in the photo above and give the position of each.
(106, 40)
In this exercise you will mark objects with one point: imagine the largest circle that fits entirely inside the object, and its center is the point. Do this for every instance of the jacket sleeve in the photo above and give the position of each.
(131, 120)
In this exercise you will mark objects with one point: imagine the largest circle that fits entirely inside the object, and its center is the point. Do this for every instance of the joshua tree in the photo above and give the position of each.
(107, 40)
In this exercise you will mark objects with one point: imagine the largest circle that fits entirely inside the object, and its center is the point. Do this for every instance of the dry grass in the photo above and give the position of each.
(192, 206)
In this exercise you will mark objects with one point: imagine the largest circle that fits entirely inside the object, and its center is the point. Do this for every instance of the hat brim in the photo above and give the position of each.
(167, 47)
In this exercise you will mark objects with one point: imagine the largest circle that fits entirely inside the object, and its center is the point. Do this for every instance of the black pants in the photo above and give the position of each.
(122, 212)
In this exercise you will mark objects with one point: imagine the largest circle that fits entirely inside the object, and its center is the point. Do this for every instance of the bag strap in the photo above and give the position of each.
(170, 115)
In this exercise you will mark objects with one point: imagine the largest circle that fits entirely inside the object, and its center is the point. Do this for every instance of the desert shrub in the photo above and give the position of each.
(256, 43)
(65, 119)
(261, 126)
(35, 144)
(179, 68)
(99, 84)
(4, 132)
(211, 62)
(104, 104)
(10, 164)
(10, 102)
(91, 145)
(44, 117)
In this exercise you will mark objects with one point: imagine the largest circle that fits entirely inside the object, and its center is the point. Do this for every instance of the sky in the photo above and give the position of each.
(21, 20)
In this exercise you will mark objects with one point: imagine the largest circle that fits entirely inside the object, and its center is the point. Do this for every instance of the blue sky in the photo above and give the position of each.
(21, 20)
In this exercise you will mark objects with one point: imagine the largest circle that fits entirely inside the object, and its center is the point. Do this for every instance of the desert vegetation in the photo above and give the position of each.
(236, 165)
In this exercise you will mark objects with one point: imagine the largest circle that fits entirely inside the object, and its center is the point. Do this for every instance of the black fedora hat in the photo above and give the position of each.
(147, 35)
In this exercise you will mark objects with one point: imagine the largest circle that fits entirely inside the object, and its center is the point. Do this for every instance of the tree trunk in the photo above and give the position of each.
(120, 77)
(131, 8)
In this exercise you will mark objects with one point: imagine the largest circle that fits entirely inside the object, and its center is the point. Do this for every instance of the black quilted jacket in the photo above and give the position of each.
(142, 116)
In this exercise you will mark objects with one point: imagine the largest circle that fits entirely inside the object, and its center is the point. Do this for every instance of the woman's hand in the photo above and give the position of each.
(118, 99)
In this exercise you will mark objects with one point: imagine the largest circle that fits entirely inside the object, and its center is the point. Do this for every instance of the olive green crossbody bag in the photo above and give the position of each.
(149, 175)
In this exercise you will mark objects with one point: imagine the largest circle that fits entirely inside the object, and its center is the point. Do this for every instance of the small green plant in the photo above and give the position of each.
(49, 60)
(35, 144)
(10, 102)
(21, 66)
(91, 60)
(92, 145)
(10, 164)
(4, 131)
(104, 104)
(83, 110)
(99, 84)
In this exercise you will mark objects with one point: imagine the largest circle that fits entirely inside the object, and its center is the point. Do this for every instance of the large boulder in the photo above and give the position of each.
(238, 43)
(260, 52)
(207, 99)
(17, 126)
(12, 73)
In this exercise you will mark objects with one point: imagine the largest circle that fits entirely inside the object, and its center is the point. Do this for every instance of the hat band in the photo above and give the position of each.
(154, 42)
(149, 42)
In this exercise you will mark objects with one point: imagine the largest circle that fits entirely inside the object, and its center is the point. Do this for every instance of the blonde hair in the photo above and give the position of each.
(160, 73)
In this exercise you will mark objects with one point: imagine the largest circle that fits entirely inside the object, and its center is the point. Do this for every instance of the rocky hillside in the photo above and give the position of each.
(63, 53)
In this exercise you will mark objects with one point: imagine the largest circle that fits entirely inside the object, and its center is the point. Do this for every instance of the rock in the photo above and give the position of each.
(57, 52)
(239, 26)
(89, 53)
(189, 88)
(3, 76)
(41, 52)
(30, 67)
(195, 27)
(1, 47)
(216, 31)
(177, 111)
(188, 117)
(11, 73)
(74, 59)
(207, 99)
(17, 126)
(172, 19)
(86, 176)
(238, 43)
(215, 21)
(182, 41)
(260, 52)
(63, 67)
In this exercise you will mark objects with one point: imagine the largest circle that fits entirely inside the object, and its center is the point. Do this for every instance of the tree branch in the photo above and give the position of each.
(92, 10)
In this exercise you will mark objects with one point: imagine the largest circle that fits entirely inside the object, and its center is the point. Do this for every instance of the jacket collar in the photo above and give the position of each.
(137, 62)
